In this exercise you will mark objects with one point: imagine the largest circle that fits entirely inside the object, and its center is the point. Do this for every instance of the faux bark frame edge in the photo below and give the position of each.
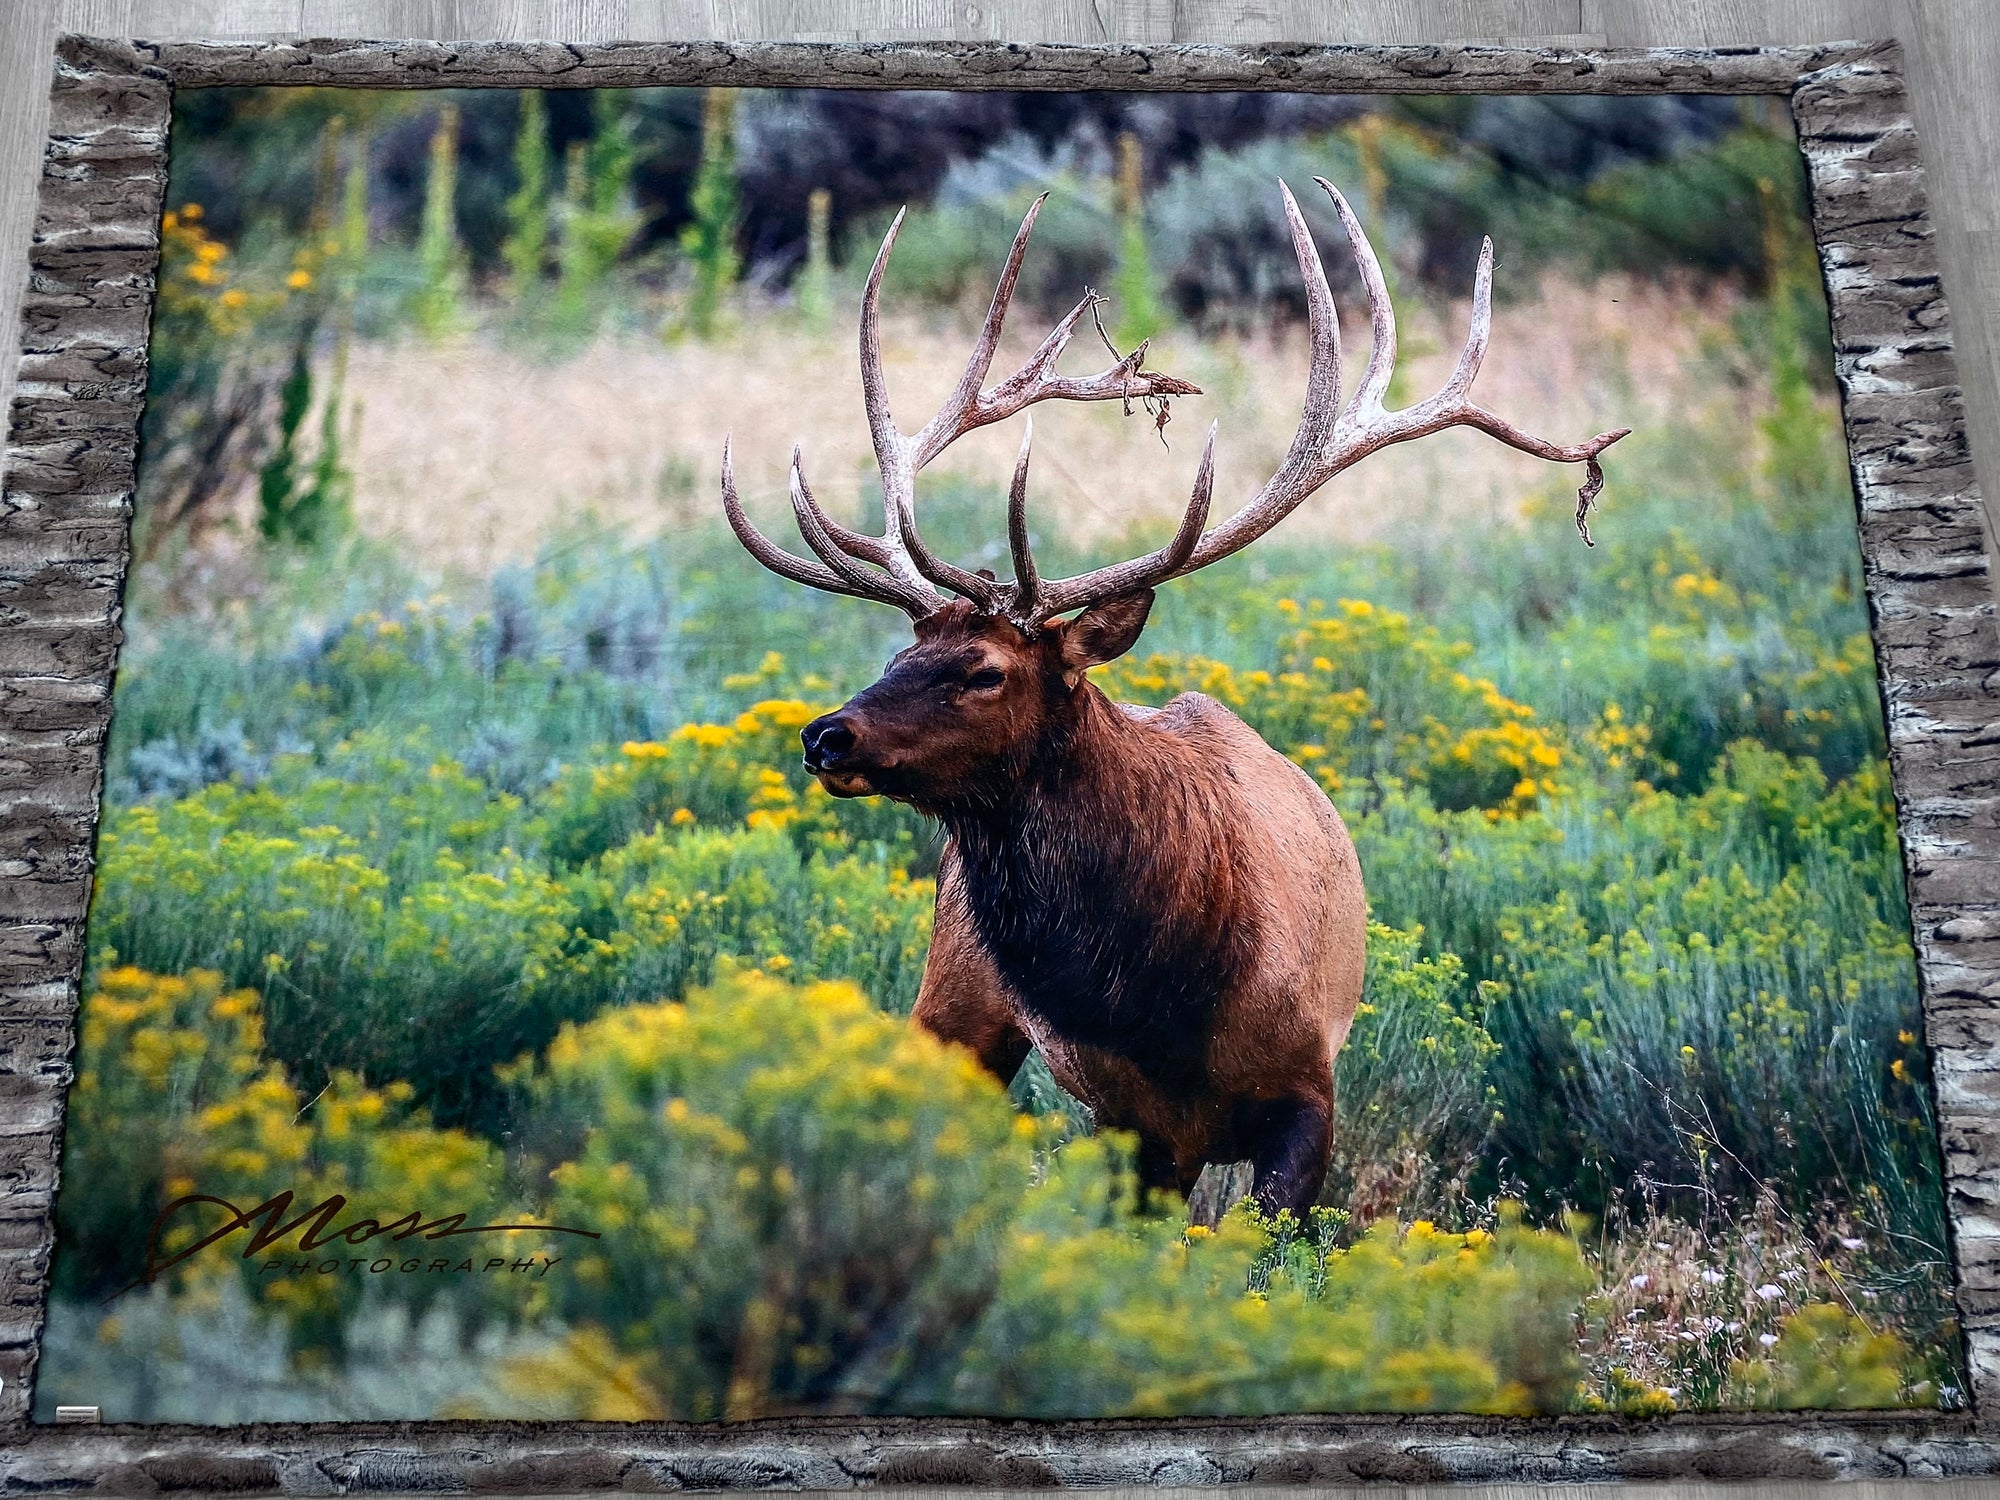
(65, 514)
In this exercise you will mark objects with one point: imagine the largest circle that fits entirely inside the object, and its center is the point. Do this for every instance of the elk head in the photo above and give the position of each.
(964, 712)
(994, 678)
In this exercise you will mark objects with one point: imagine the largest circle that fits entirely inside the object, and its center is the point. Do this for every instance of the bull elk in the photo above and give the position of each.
(1165, 906)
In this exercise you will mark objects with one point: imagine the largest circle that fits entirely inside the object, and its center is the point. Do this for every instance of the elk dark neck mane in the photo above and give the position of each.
(1105, 887)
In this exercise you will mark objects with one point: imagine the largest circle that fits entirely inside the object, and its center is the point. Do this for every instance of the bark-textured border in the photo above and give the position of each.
(65, 512)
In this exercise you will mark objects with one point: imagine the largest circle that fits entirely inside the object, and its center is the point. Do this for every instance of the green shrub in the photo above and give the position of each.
(597, 217)
(1719, 1012)
(664, 908)
(950, 252)
(1105, 1312)
(709, 237)
(802, 1199)
(748, 771)
(1760, 922)
(1411, 1091)
(1828, 1359)
(177, 1097)
(1711, 206)
(526, 246)
(438, 304)
(1135, 294)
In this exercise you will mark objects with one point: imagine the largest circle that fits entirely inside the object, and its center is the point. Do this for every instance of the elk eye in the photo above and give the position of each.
(986, 677)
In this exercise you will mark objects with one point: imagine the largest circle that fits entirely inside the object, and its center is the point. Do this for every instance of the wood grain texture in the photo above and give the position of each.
(62, 531)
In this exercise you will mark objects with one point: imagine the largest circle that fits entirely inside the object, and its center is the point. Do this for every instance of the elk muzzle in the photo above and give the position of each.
(832, 748)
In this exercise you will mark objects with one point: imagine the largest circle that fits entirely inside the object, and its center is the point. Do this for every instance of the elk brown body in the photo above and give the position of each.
(1167, 908)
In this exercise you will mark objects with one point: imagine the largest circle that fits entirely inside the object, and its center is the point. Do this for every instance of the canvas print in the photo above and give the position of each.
(1037, 755)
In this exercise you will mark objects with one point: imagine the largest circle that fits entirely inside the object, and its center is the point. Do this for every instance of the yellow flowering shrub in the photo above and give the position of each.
(802, 1199)
(154, 1054)
(662, 908)
(176, 1098)
(1104, 1311)
(1620, 750)
(1362, 692)
(1828, 1359)
(200, 280)
(362, 970)
(748, 772)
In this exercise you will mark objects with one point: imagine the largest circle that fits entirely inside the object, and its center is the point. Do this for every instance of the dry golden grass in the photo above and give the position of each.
(470, 453)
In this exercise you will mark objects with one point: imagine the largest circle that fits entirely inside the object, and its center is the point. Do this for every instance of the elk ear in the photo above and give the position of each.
(1104, 632)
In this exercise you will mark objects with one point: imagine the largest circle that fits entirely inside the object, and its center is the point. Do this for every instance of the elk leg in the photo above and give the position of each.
(1289, 1142)
(962, 998)
(1157, 1170)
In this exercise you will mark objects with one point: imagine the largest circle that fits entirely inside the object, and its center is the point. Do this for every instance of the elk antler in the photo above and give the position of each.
(1330, 438)
(904, 571)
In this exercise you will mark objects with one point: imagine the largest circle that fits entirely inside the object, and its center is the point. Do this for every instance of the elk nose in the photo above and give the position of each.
(827, 739)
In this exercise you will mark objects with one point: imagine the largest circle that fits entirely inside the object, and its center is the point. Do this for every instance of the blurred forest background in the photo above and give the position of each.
(457, 853)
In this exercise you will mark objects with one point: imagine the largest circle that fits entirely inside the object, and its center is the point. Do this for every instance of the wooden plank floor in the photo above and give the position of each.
(1953, 50)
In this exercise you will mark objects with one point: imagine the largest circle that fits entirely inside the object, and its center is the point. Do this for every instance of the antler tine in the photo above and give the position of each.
(1027, 582)
(892, 449)
(945, 425)
(855, 544)
(1474, 353)
(1381, 312)
(776, 558)
(983, 592)
(1306, 464)
(1323, 372)
(1453, 405)
(874, 388)
(1142, 572)
(815, 528)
